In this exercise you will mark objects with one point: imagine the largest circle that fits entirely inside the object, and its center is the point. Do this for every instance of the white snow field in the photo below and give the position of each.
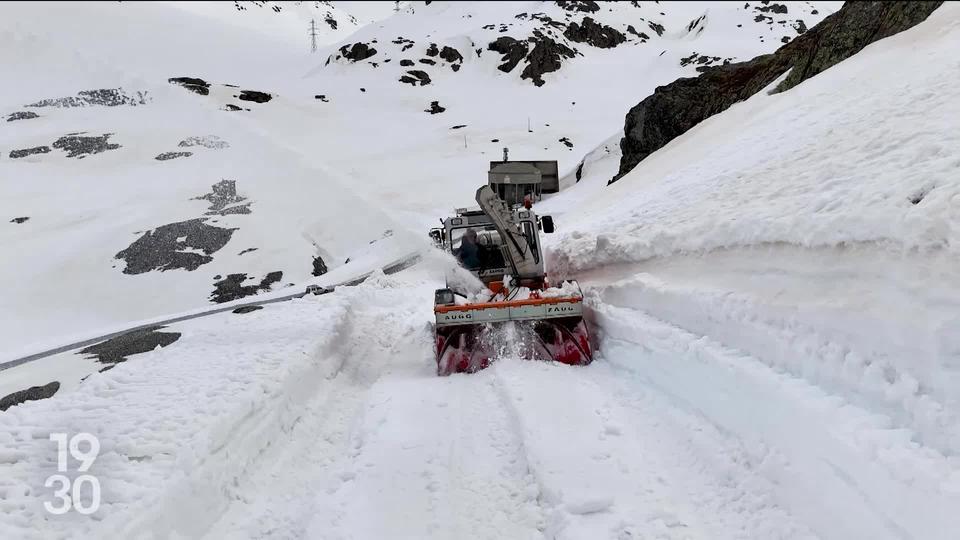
(774, 296)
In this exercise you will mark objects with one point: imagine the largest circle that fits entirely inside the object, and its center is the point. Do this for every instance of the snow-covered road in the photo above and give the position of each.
(669, 434)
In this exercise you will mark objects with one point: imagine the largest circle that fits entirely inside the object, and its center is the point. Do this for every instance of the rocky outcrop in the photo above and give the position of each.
(104, 97)
(451, 55)
(19, 220)
(544, 58)
(319, 267)
(513, 52)
(587, 6)
(117, 349)
(17, 154)
(175, 246)
(246, 309)
(435, 108)
(21, 115)
(593, 33)
(675, 108)
(255, 96)
(357, 52)
(78, 146)
(166, 156)
(193, 84)
(232, 288)
(415, 77)
(33, 393)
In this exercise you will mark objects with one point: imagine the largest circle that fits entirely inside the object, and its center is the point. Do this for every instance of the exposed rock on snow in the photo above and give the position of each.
(435, 108)
(174, 246)
(451, 55)
(587, 6)
(416, 76)
(319, 267)
(544, 58)
(117, 349)
(232, 288)
(255, 96)
(30, 394)
(406, 62)
(106, 97)
(357, 51)
(595, 34)
(675, 108)
(224, 194)
(248, 250)
(197, 86)
(78, 146)
(206, 141)
(643, 37)
(702, 60)
(246, 309)
(16, 154)
(513, 52)
(172, 155)
(19, 220)
(22, 115)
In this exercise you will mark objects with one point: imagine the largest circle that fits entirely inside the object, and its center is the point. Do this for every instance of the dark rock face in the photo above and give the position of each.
(172, 155)
(165, 248)
(643, 37)
(78, 146)
(435, 108)
(513, 52)
(117, 349)
(248, 250)
(567, 142)
(544, 58)
(428, 61)
(702, 60)
(582, 6)
(432, 50)
(595, 34)
(416, 76)
(231, 107)
(675, 108)
(206, 141)
(357, 52)
(232, 288)
(222, 196)
(322, 98)
(459, 126)
(19, 220)
(451, 55)
(319, 267)
(330, 21)
(656, 27)
(16, 154)
(246, 309)
(105, 97)
(772, 8)
(33, 393)
(22, 115)
(406, 62)
(197, 86)
(255, 96)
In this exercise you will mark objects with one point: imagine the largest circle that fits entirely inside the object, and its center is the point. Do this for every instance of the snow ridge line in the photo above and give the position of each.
(199, 493)
(782, 340)
(819, 443)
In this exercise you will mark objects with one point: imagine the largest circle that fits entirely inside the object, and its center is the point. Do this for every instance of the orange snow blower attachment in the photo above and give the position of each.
(469, 336)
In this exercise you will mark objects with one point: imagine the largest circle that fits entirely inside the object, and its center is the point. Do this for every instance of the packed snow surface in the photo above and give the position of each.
(774, 298)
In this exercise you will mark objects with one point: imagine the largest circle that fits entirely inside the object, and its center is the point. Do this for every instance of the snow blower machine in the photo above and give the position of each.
(519, 313)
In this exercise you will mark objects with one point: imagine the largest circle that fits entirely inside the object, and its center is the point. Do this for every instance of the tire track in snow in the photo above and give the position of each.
(610, 464)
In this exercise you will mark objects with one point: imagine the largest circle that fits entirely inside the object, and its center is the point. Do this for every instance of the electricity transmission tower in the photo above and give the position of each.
(313, 35)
